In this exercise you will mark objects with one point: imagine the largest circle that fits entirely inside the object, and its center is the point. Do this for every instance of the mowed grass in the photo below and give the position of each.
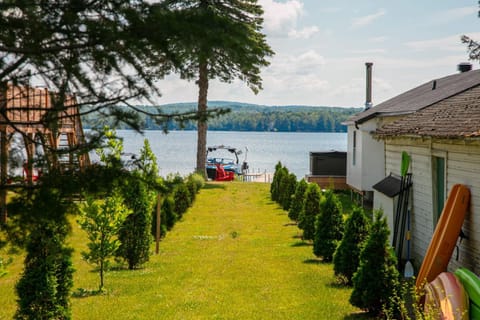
(235, 255)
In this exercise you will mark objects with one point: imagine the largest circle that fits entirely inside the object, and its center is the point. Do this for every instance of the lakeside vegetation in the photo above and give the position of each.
(234, 255)
(248, 117)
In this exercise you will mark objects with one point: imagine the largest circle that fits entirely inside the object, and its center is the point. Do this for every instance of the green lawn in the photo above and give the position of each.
(234, 256)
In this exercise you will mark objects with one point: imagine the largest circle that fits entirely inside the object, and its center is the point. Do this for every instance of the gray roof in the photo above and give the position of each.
(420, 97)
(452, 118)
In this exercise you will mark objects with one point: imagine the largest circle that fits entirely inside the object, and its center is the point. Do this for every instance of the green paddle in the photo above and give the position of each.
(408, 271)
(405, 163)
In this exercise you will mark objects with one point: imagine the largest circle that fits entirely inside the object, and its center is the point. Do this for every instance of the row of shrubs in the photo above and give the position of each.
(355, 243)
(176, 199)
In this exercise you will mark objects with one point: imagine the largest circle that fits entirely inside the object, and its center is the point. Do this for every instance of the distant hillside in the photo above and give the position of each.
(252, 117)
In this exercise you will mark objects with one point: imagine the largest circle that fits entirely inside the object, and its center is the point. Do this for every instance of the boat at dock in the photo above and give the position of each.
(223, 163)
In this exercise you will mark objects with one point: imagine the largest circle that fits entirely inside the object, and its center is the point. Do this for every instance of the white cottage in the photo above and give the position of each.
(443, 141)
(366, 164)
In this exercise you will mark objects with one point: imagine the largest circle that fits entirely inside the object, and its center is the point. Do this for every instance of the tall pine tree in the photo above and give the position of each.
(220, 39)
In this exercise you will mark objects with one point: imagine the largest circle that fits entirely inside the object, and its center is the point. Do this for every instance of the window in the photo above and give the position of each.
(438, 185)
(354, 153)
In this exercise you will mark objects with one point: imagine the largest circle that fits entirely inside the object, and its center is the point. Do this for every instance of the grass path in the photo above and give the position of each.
(234, 256)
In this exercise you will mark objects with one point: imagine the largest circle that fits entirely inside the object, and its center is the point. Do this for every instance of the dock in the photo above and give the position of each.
(264, 177)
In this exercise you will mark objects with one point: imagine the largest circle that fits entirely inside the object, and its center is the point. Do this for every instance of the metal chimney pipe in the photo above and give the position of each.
(368, 101)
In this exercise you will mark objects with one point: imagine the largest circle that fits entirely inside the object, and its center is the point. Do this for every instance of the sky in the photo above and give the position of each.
(321, 47)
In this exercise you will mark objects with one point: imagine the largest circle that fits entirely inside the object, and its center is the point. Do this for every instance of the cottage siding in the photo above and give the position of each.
(421, 199)
(462, 166)
(369, 164)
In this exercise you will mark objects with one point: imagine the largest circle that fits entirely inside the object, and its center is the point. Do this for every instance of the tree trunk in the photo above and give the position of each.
(202, 120)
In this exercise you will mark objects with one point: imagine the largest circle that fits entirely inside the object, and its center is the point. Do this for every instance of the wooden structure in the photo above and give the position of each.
(46, 121)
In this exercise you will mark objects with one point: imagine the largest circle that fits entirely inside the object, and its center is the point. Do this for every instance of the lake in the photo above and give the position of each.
(176, 151)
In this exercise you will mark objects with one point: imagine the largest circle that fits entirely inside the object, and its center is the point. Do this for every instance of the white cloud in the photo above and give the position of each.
(450, 43)
(448, 16)
(378, 39)
(366, 20)
(281, 17)
(305, 33)
(370, 51)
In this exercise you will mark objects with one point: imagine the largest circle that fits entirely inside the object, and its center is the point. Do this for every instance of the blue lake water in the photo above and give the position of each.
(176, 151)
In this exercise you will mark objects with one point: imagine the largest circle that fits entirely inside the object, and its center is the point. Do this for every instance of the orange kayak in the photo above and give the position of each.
(445, 235)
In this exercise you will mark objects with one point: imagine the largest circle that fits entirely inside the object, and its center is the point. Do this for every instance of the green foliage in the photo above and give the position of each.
(288, 183)
(101, 220)
(377, 278)
(147, 163)
(169, 217)
(192, 189)
(44, 287)
(3, 266)
(198, 180)
(134, 233)
(347, 256)
(110, 153)
(278, 176)
(328, 226)
(181, 199)
(297, 202)
(248, 117)
(310, 210)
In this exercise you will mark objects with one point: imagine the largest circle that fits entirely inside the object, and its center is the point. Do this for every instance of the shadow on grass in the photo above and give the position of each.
(210, 185)
(289, 224)
(313, 261)
(301, 244)
(84, 293)
(358, 316)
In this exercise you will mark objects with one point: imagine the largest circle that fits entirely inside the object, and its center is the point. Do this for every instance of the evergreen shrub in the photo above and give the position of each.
(347, 255)
(328, 226)
(288, 185)
(181, 198)
(297, 201)
(275, 185)
(310, 210)
(377, 279)
(134, 234)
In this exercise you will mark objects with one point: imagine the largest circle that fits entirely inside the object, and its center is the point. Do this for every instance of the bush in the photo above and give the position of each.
(134, 234)
(310, 210)
(101, 220)
(277, 177)
(181, 199)
(287, 189)
(328, 227)
(168, 217)
(192, 189)
(44, 288)
(198, 180)
(297, 201)
(377, 278)
(347, 255)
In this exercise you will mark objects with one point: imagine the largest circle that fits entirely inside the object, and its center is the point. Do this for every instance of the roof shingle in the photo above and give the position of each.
(455, 117)
(422, 96)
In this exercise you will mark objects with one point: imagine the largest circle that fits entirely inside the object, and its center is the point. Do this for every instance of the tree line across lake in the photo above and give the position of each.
(249, 117)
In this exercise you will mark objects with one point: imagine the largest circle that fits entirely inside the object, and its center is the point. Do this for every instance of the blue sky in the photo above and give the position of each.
(322, 45)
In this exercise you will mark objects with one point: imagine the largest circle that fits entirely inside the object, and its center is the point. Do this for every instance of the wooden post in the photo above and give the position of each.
(157, 232)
